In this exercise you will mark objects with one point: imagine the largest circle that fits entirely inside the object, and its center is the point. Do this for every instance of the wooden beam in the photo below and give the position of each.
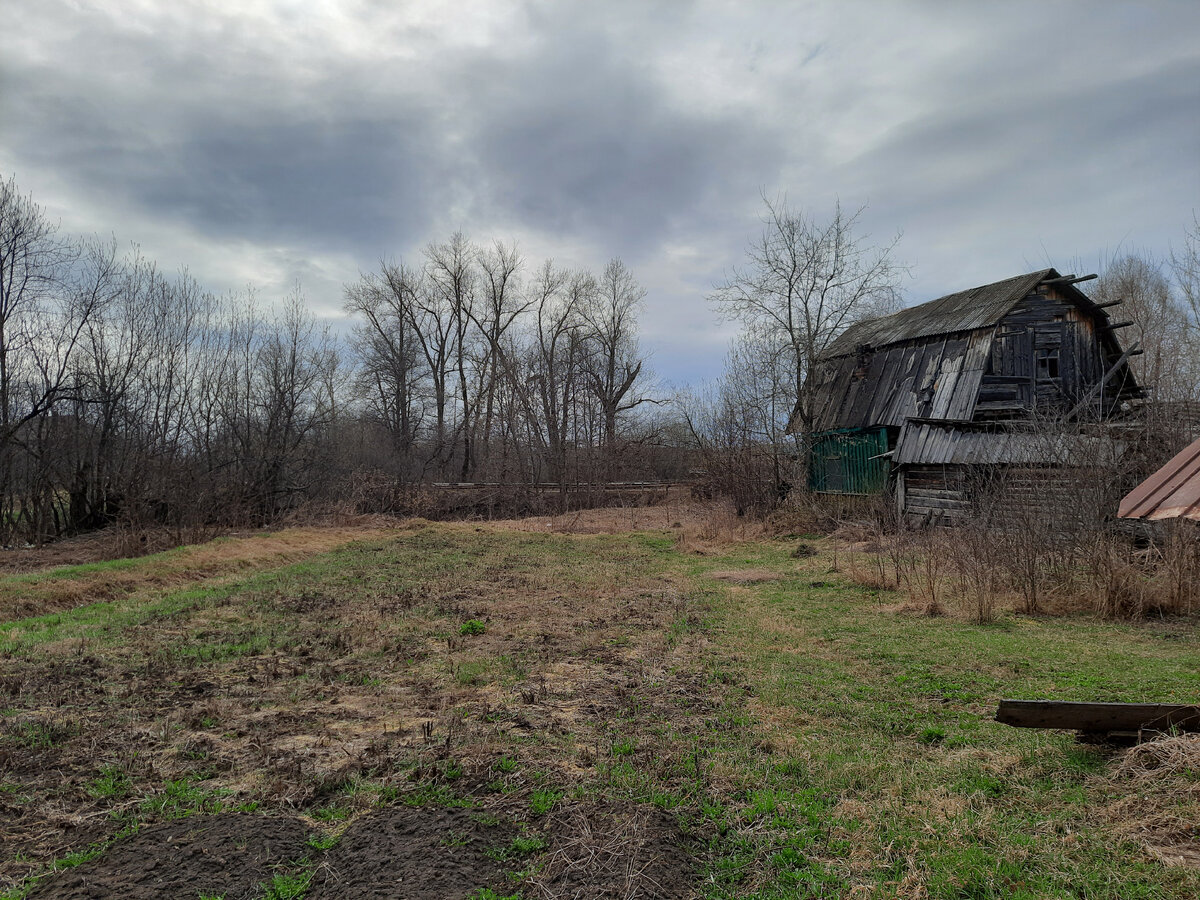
(1070, 279)
(1099, 717)
(1107, 303)
(1098, 388)
(1115, 325)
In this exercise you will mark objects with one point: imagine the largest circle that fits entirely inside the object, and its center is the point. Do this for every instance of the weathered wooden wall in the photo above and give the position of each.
(1061, 497)
(1046, 354)
(992, 372)
(933, 494)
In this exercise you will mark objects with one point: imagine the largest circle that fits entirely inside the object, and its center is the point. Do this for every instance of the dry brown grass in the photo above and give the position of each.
(1157, 791)
(352, 675)
(969, 573)
(747, 576)
(700, 527)
(26, 595)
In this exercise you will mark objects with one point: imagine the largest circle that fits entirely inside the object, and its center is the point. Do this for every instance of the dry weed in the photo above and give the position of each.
(1158, 798)
(1178, 755)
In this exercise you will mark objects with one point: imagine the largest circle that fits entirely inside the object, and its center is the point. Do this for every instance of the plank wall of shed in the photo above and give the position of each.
(1006, 496)
(1044, 324)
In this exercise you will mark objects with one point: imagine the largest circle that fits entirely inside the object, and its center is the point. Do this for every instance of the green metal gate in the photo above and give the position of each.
(848, 461)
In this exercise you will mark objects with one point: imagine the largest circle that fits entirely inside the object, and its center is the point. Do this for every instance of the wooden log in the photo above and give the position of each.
(1070, 279)
(1099, 717)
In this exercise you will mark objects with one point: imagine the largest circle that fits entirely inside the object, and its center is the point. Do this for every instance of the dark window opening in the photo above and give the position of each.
(1047, 364)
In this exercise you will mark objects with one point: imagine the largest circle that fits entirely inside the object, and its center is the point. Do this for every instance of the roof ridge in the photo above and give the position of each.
(965, 310)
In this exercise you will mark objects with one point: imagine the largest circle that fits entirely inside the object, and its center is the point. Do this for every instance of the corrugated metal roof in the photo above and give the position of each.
(1173, 492)
(977, 307)
(933, 444)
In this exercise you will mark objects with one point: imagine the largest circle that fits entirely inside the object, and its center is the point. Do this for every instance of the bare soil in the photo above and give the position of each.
(230, 856)
(747, 576)
(414, 852)
(348, 693)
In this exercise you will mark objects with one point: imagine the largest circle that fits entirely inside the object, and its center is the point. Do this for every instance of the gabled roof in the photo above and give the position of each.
(977, 307)
(1171, 492)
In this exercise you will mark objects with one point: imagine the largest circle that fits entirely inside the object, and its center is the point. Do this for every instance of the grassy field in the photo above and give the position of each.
(491, 712)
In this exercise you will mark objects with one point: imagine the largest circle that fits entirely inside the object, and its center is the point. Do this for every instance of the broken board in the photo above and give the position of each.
(1099, 718)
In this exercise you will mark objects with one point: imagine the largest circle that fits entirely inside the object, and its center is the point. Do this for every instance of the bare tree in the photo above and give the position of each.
(500, 305)
(1185, 264)
(738, 424)
(448, 312)
(615, 361)
(1162, 323)
(807, 281)
(388, 348)
(547, 377)
(50, 289)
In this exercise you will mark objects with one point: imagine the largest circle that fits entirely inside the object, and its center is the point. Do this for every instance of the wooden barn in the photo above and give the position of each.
(929, 398)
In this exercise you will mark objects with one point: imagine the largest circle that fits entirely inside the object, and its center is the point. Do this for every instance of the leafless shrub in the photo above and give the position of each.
(927, 568)
(1117, 583)
(973, 555)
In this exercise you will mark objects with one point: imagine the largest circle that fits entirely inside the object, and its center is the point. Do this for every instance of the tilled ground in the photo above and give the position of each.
(385, 716)
(230, 856)
(490, 711)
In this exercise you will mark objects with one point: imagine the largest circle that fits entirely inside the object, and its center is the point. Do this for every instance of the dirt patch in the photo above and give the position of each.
(746, 576)
(229, 856)
(603, 852)
(340, 693)
(409, 852)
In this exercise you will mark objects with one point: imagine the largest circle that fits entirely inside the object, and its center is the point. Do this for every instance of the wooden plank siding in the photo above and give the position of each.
(935, 494)
(1006, 496)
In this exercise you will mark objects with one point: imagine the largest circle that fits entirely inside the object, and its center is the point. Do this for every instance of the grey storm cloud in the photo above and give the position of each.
(268, 141)
(582, 140)
(246, 161)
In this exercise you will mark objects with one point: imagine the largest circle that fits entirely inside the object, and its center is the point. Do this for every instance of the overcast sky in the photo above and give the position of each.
(268, 142)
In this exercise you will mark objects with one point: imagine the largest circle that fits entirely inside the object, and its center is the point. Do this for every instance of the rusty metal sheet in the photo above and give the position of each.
(1173, 492)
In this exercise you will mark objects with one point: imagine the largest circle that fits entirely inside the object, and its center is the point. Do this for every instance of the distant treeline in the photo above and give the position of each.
(132, 397)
